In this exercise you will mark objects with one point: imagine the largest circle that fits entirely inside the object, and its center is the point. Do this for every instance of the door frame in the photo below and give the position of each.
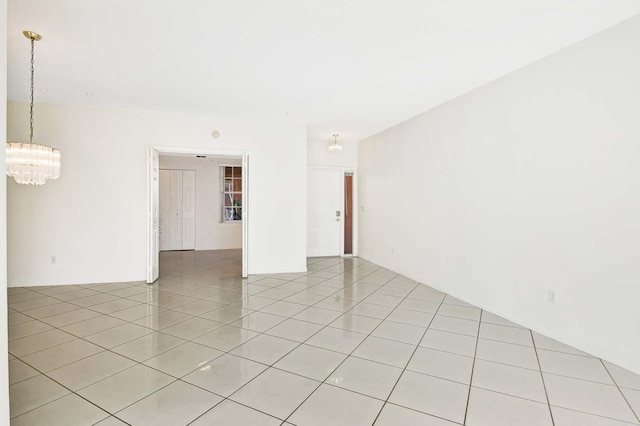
(244, 155)
(356, 210)
(153, 221)
(354, 230)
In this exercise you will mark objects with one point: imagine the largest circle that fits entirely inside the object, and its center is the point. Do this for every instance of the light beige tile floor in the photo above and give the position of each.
(347, 343)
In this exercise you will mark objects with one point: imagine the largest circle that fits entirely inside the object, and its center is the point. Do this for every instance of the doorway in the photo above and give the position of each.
(331, 212)
(166, 224)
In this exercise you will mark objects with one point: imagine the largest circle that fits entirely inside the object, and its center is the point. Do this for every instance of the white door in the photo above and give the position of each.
(188, 209)
(324, 221)
(177, 210)
(174, 221)
(153, 226)
(171, 209)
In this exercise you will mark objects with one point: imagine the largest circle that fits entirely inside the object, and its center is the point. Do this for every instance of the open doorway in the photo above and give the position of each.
(197, 212)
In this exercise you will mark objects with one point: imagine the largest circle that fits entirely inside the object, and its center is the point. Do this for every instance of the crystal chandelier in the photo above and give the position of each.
(29, 163)
(335, 148)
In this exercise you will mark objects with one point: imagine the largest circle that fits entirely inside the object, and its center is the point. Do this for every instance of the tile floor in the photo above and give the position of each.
(348, 343)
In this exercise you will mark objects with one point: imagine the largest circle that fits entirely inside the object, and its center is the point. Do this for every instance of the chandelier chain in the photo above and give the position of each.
(31, 99)
(30, 163)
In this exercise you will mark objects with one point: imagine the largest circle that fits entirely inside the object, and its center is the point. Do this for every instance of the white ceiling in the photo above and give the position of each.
(354, 67)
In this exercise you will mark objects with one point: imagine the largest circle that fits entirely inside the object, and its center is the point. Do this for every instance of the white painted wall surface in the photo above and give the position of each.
(4, 370)
(94, 217)
(319, 155)
(527, 184)
(211, 234)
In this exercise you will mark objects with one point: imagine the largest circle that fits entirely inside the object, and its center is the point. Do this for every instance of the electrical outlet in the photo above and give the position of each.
(53, 258)
(553, 297)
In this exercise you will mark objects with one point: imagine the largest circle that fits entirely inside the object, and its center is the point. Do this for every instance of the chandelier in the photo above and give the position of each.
(335, 148)
(27, 162)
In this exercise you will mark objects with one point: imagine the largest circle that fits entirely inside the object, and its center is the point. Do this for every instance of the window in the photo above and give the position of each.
(231, 191)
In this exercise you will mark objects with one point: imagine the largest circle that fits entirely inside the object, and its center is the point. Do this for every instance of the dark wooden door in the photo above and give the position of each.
(348, 214)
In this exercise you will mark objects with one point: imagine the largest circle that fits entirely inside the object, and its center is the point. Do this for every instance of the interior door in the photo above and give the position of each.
(324, 221)
(153, 215)
(188, 209)
(171, 210)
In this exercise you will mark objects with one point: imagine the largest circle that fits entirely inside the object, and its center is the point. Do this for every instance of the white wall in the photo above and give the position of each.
(94, 217)
(211, 233)
(4, 368)
(527, 184)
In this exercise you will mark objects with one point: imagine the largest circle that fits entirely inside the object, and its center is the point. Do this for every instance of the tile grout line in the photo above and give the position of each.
(544, 385)
(71, 392)
(347, 357)
(159, 389)
(180, 378)
(268, 366)
(409, 359)
(110, 375)
(193, 341)
(234, 402)
(273, 364)
(303, 342)
(637, 415)
(473, 365)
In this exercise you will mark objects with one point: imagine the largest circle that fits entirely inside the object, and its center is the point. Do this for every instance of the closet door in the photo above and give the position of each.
(171, 210)
(188, 209)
